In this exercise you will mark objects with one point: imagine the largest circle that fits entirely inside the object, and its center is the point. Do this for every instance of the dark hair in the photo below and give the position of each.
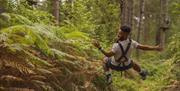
(125, 29)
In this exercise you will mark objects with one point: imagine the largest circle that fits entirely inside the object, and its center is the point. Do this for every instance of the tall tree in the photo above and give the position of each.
(141, 22)
(3, 6)
(163, 22)
(55, 10)
(2, 9)
(146, 27)
(146, 24)
(126, 7)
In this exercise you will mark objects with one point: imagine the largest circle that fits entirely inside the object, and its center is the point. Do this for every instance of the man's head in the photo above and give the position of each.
(124, 32)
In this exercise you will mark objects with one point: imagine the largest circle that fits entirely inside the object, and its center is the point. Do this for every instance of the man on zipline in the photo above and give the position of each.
(119, 57)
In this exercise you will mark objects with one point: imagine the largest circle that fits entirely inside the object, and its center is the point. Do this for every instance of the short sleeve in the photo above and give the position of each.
(114, 47)
(135, 44)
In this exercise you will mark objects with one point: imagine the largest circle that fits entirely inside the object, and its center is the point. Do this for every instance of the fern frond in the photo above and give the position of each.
(3, 37)
(21, 68)
(43, 71)
(10, 78)
(38, 77)
(37, 61)
(77, 35)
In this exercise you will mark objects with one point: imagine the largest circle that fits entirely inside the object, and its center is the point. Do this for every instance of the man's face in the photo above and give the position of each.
(122, 35)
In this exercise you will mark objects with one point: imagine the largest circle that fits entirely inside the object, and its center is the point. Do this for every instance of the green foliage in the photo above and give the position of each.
(28, 36)
(37, 16)
(77, 35)
(173, 47)
(31, 45)
(22, 8)
(106, 17)
(42, 37)
(10, 19)
(174, 9)
(174, 53)
(100, 82)
(100, 19)
(77, 15)
(30, 31)
(78, 38)
(158, 77)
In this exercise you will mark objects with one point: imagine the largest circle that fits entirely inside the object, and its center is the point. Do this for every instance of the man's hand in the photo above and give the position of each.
(96, 43)
(158, 48)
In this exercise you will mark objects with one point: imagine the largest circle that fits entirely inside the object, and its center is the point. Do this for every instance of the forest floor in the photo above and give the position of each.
(174, 86)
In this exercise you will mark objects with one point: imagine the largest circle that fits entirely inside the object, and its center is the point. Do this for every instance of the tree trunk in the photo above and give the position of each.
(3, 6)
(55, 10)
(163, 22)
(122, 8)
(126, 7)
(2, 10)
(131, 13)
(140, 23)
(146, 28)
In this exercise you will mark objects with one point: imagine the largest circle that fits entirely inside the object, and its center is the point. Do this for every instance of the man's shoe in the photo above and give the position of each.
(108, 79)
(143, 74)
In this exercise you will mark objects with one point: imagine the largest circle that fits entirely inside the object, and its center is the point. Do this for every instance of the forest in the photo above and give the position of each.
(47, 45)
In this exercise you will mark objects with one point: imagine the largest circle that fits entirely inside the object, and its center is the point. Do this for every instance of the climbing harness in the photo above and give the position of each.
(124, 53)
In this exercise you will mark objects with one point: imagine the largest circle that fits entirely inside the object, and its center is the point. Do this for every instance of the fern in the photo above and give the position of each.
(35, 64)
(37, 16)
(77, 35)
(21, 68)
(3, 37)
(18, 19)
(37, 61)
(27, 35)
(43, 71)
(37, 77)
(10, 19)
(10, 78)
(173, 47)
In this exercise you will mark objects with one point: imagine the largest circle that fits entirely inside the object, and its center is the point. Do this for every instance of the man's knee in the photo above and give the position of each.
(105, 60)
(136, 66)
(105, 63)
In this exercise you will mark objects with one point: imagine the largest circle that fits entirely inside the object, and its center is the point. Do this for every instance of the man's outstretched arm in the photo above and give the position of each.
(147, 47)
(107, 54)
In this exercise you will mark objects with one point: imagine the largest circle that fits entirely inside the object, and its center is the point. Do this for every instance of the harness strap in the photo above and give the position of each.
(124, 52)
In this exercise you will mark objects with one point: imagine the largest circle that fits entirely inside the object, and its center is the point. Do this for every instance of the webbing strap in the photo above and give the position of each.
(124, 52)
